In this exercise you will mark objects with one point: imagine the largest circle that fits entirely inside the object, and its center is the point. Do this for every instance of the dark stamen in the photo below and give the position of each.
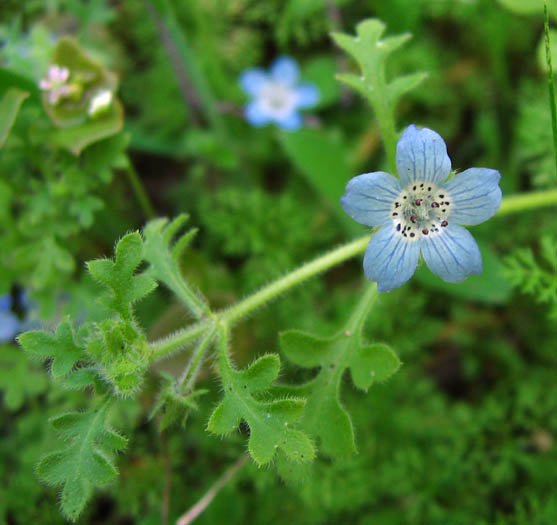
(412, 235)
(398, 227)
(445, 223)
(441, 196)
(395, 214)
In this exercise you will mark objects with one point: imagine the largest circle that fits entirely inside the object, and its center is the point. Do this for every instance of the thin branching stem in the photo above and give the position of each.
(204, 502)
(513, 204)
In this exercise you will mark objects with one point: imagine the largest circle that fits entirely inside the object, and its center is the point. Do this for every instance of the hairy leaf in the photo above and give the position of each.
(85, 461)
(324, 416)
(164, 257)
(118, 275)
(269, 420)
(370, 52)
(61, 347)
(173, 406)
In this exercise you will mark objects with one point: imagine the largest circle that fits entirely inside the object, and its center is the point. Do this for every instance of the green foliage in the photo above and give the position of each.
(322, 159)
(173, 406)
(325, 417)
(536, 276)
(118, 275)
(85, 461)
(269, 421)
(371, 53)
(164, 255)
(61, 347)
(18, 379)
(9, 107)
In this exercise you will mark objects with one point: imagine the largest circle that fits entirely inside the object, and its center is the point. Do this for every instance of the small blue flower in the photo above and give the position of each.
(277, 96)
(9, 323)
(421, 212)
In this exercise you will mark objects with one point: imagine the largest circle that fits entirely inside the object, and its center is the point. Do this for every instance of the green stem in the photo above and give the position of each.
(233, 314)
(192, 369)
(358, 317)
(390, 137)
(164, 347)
(527, 201)
(550, 83)
(139, 190)
(294, 278)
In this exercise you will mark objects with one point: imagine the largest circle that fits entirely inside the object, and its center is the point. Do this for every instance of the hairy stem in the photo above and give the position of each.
(236, 312)
(272, 290)
(194, 364)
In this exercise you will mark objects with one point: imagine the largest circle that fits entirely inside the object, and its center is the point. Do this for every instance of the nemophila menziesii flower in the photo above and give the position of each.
(56, 84)
(277, 95)
(421, 212)
(9, 323)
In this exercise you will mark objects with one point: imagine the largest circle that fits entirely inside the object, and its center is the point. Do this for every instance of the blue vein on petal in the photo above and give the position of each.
(374, 198)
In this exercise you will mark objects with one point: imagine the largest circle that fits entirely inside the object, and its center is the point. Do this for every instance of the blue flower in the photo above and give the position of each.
(9, 323)
(277, 96)
(421, 212)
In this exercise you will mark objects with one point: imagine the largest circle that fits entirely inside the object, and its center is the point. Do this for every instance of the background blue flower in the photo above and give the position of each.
(421, 213)
(9, 323)
(276, 95)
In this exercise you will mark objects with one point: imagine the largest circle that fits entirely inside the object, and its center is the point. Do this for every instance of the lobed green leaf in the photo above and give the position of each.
(164, 258)
(85, 461)
(324, 416)
(118, 275)
(269, 421)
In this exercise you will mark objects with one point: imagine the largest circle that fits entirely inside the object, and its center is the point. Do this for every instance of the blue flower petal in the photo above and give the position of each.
(252, 80)
(390, 259)
(285, 70)
(453, 254)
(307, 95)
(475, 195)
(256, 115)
(5, 302)
(368, 198)
(290, 122)
(9, 326)
(421, 155)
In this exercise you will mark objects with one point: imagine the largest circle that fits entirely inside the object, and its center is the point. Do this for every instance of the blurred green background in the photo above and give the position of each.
(464, 433)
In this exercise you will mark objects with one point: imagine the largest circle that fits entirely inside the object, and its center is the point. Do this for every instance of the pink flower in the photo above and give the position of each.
(55, 83)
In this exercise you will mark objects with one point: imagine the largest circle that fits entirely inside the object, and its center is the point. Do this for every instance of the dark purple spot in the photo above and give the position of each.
(425, 231)
(435, 204)
(445, 223)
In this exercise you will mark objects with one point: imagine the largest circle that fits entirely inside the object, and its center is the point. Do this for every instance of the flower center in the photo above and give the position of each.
(278, 99)
(421, 210)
